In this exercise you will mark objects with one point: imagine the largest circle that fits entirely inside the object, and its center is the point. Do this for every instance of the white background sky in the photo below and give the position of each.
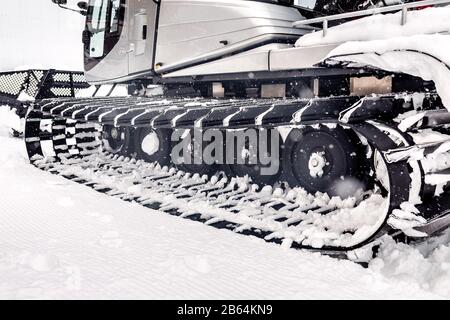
(38, 30)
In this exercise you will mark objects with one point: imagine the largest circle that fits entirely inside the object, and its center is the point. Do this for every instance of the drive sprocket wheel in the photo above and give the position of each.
(115, 139)
(327, 159)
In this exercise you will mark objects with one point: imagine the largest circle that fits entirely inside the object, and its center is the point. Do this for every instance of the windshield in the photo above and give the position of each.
(104, 23)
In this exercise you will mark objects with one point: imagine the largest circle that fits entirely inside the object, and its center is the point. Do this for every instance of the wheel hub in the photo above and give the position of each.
(317, 163)
(114, 133)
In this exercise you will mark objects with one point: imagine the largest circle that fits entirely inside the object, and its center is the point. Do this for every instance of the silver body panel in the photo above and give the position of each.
(250, 61)
(203, 37)
(142, 13)
(191, 31)
(273, 57)
(298, 58)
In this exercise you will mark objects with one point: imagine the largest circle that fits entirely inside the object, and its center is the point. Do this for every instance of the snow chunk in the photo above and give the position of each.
(23, 96)
(428, 136)
(382, 26)
(65, 202)
(10, 120)
(419, 48)
(424, 56)
(426, 265)
(410, 121)
(198, 263)
(316, 164)
(150, 144)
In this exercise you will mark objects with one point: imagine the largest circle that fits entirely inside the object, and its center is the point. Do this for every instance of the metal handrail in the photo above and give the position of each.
(399, 7)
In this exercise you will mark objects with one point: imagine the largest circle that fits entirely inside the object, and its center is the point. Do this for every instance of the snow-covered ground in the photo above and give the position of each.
(59, 239)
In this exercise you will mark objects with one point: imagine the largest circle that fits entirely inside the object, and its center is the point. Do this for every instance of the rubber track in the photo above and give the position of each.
(235, 205)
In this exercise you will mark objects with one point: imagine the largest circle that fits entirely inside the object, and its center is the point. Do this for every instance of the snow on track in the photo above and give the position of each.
(59, 239)
(381, 41)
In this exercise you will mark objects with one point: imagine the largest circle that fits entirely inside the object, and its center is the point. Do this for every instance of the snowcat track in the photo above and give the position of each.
(235, 205)
(275, 216)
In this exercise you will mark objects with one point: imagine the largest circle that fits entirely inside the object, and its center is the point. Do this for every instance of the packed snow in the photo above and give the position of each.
(59, 239)
(9, 120)
(382, 27)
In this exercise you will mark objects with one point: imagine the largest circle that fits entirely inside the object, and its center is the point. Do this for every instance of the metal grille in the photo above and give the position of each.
(34, 80)
(11, 84)
(62, 77)
(41, 84)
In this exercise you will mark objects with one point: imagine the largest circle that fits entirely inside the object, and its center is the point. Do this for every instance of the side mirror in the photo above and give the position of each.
(82, 5)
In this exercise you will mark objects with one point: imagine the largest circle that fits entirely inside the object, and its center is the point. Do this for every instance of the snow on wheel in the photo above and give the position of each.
(151, 145)
(325, 159)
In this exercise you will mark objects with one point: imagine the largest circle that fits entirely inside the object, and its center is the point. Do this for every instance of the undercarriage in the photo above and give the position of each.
(338, 157)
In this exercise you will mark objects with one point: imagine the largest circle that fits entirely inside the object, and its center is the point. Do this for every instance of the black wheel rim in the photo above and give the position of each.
(337, 154)
(114, 138)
